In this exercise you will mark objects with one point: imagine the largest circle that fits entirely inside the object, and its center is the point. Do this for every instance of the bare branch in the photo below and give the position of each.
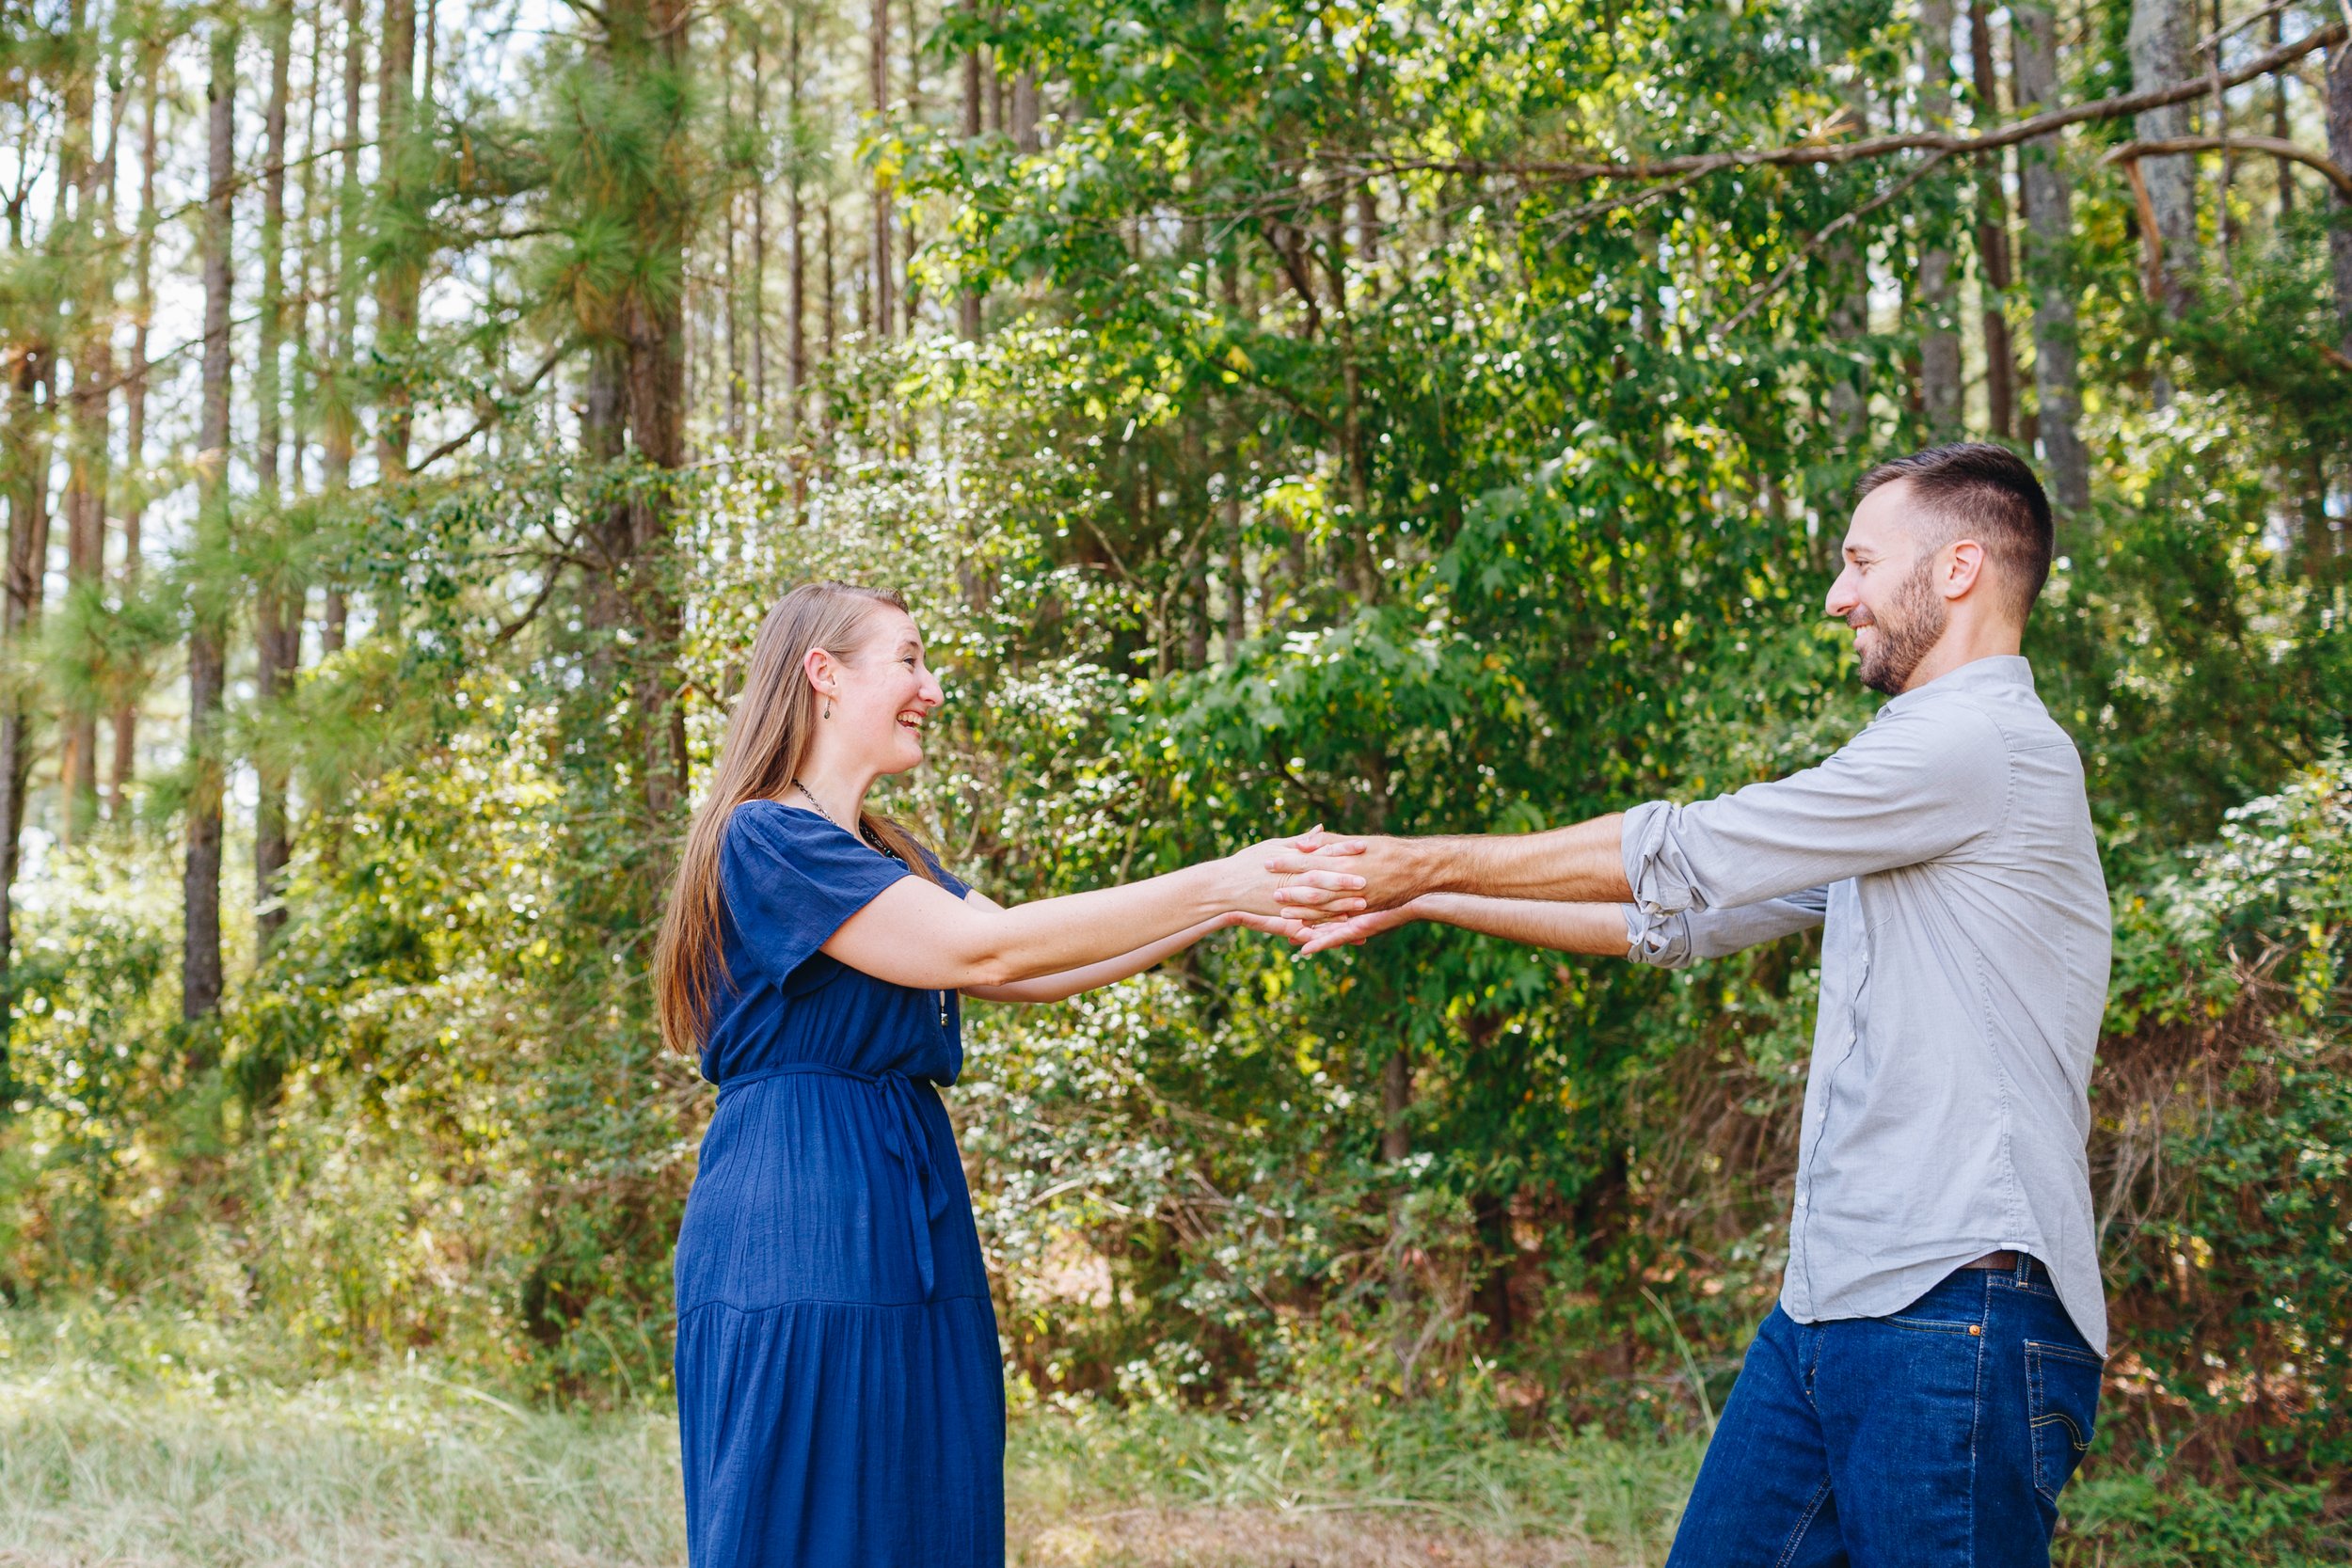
(2032, 128)
(2277, 147)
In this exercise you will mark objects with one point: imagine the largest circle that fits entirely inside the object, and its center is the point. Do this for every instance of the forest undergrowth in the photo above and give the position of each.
(136, 1437)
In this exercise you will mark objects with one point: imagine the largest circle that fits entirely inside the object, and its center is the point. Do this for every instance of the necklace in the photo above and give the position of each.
(866, 839)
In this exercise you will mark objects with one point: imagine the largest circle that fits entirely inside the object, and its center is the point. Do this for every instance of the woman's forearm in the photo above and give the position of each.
(1071, 982)
(917, 934)
(1594, 928)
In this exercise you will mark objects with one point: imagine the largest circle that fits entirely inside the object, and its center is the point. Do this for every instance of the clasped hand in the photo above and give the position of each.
(1321, 906)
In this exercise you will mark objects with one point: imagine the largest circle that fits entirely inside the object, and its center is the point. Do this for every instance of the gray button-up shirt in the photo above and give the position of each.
(1948, 848)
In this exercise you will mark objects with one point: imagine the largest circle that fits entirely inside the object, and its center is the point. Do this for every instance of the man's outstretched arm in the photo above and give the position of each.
(1581, 865)
(1602, 930)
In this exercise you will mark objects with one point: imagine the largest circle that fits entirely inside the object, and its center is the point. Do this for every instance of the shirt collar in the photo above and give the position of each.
(1993, 672)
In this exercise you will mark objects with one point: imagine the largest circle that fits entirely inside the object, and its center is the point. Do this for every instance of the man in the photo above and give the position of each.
(1929, 1380)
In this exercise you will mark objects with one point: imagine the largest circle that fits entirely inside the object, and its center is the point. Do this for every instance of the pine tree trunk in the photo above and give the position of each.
(2279, 120)
(830, 296)
(343, 413)
(126, 716)
(649, 38)
(2049, 203)
(884, 305)
(1848, 397)
(401, 273)
(1024, 111)
(90, 282)
(199, 968)
(2339, 153)
(909, 286)
(795, 263)
(759, 250)
(2000, 357)
(968, 298)
(1938, 291)
(2162, 32)
(27, 474)
(274, 649)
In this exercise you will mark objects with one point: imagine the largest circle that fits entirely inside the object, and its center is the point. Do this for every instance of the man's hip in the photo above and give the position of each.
(1941, 1433)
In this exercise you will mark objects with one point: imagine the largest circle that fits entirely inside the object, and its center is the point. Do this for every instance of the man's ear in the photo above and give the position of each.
(1963, 570)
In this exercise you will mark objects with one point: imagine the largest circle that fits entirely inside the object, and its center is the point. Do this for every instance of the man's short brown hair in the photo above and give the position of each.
(1977, 490)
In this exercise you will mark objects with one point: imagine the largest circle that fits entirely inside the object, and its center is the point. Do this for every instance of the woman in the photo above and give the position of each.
(840, 1392)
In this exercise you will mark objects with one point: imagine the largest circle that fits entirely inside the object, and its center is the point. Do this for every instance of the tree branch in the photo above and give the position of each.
(2337, 175)
(2032, 128)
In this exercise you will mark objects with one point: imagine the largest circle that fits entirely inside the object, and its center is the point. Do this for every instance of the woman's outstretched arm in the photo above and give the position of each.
(1071, 982)
(916, 933)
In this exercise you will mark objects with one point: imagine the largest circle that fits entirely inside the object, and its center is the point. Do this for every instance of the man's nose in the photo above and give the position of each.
(1841, 598)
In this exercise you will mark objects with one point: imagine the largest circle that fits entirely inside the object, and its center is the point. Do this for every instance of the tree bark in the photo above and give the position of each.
(830, 295)
(759, 247)
(126, 715)
(1939, 386)
(276, 632)
(2279, 120)
(2340, 152)
(200, 967)
(1848, 398)
(883, 300)
(343, 415)
(1024, 111)
(2000, 356)
(2049, 203)
(89, 282)
(795, 263)
(31, 392)
(2160, 43)
(968, 299)
(400, 274)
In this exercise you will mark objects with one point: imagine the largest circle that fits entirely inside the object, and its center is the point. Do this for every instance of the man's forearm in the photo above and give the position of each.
(1580, 864)
(1594, 929)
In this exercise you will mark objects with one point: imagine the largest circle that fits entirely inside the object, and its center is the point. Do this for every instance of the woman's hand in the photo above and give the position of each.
(1354, 930)
(1254, 882)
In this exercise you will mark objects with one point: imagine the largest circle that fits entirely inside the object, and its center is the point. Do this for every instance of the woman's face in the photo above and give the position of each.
(882, 695)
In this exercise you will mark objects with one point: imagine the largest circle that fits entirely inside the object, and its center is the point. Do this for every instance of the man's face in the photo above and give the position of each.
(1887, 590)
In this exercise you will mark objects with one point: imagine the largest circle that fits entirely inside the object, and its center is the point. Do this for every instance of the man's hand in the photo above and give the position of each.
(1580, 865)
(1352, 930)
(1261, 877)
(1390, 870)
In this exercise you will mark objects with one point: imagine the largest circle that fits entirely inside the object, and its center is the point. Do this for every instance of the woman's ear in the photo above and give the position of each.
(819, 666)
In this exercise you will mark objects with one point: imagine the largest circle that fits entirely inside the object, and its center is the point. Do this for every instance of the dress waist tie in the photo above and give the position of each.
(902, 1135)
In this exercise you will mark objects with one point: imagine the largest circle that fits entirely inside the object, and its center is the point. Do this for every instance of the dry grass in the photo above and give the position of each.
(137, 1457)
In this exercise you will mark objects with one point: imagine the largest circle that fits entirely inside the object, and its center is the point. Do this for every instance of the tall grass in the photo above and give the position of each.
(131, 1438)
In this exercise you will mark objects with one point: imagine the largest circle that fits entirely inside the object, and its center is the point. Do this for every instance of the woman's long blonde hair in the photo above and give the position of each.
(767, 741)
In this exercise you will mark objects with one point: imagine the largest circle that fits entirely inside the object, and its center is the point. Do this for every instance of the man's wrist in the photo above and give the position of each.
(1431, 866)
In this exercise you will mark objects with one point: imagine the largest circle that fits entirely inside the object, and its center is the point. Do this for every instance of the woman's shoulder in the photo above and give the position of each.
(765, 826)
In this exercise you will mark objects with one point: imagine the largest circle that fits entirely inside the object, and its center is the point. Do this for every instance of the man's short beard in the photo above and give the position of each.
(1912, 623)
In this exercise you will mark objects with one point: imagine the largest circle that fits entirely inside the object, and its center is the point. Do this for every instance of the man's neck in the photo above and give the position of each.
(1963, 645)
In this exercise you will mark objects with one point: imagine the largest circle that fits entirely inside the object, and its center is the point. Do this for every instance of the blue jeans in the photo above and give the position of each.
(1938, 1436)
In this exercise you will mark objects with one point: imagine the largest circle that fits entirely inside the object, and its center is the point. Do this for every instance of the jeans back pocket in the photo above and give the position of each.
(2062, 1405)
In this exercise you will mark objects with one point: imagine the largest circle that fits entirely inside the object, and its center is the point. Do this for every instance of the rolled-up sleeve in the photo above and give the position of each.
(1913, 787)
(1679, 941)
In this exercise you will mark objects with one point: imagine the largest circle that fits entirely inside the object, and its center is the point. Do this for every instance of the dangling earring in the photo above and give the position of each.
(828, 704)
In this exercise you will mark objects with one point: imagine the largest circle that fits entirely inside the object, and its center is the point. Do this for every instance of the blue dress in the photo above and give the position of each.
(840, 1391)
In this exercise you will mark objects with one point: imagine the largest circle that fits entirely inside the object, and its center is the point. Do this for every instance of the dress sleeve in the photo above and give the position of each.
(790, 878)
